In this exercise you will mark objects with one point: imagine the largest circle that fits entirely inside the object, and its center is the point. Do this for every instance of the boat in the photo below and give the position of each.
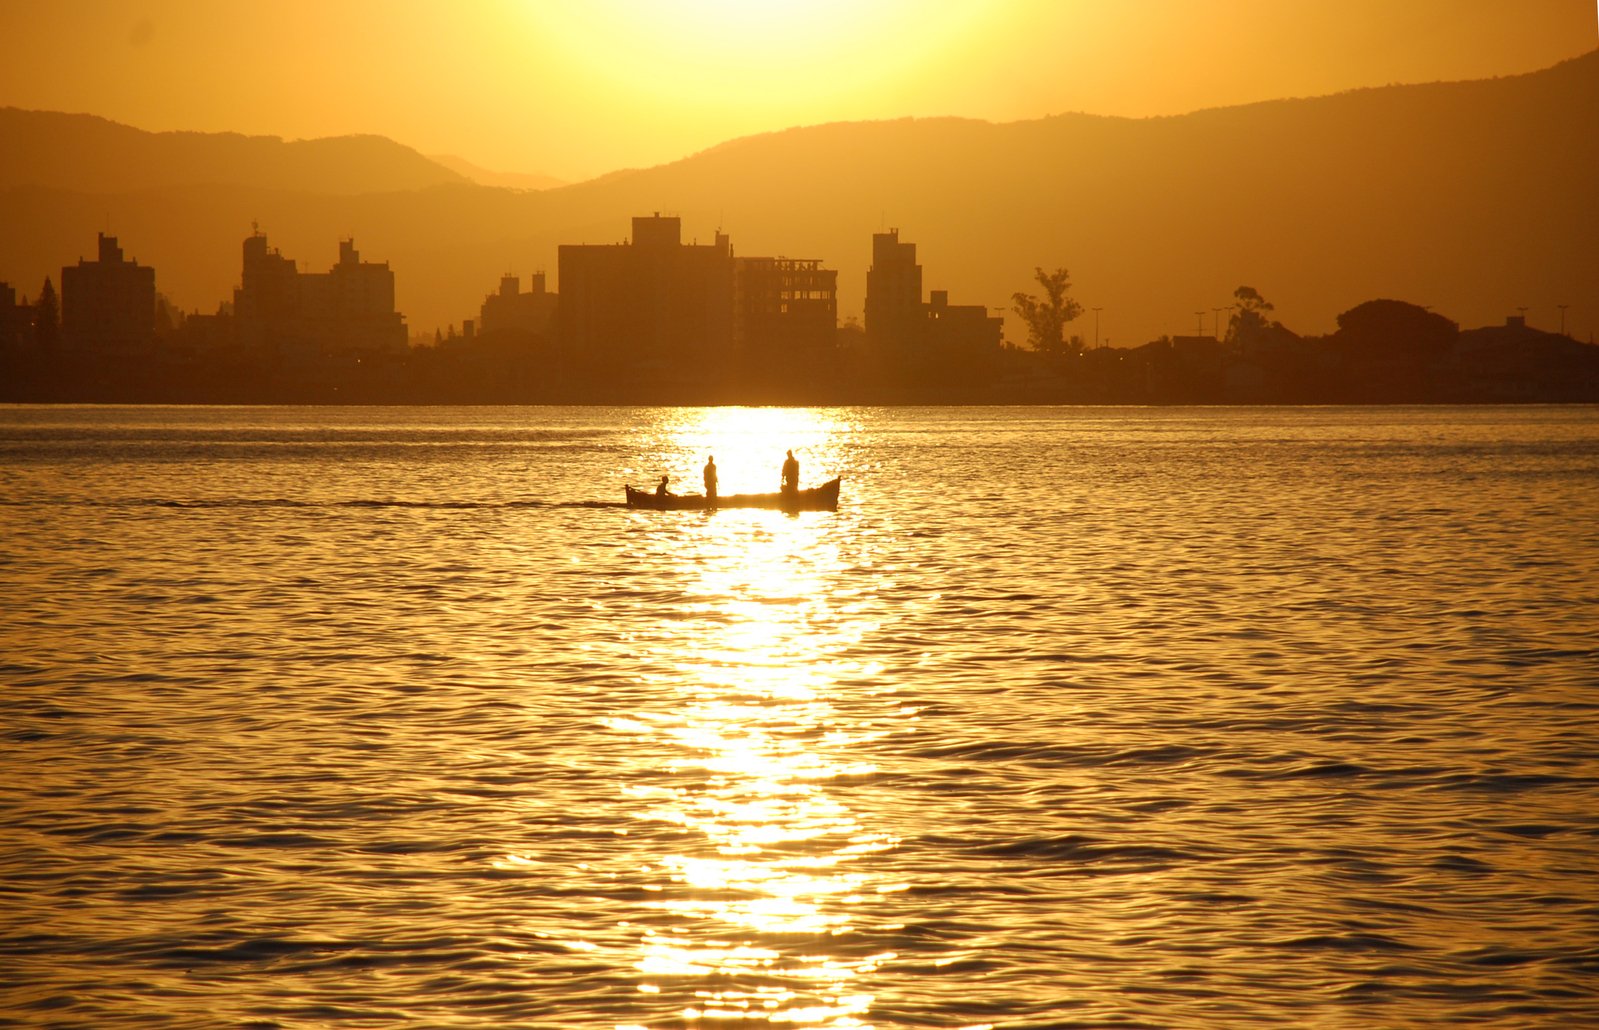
(817, 498)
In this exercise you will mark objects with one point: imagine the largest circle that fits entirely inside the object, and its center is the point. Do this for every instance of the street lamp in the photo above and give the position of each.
(1201, 330)
(1215, 322)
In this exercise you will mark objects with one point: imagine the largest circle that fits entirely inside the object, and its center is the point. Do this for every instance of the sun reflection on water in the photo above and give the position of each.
(765, 888)
(748, 444)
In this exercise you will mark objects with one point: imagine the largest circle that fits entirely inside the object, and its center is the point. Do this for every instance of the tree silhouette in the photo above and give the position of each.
(168, 316)
(1249, 315)
(47, 315)
(1046, 317)
(1395, 327)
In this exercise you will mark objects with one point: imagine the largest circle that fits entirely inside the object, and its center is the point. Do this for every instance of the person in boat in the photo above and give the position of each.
(790, 474)
(660, 488)
(710, 478)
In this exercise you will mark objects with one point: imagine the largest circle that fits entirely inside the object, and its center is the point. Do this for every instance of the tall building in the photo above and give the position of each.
(342, 312)
(653, 307)
(14, 318)
(893, 290)
(897, 318)
(268, 297)
(108, 305)
(513, 310)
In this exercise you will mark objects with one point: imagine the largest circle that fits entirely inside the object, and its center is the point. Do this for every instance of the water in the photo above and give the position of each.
(1067, 717)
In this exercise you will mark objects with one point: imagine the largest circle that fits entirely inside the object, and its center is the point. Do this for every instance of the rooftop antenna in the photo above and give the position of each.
(1201, 316)
(1562, 308)
(1096, 327)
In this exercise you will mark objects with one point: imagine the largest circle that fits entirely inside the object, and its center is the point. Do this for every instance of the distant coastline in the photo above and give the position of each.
(654, 320)
(1509, 364)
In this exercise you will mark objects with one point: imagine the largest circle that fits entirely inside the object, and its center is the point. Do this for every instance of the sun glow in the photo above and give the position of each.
(749, 445)
(759, 900)
(812, 60)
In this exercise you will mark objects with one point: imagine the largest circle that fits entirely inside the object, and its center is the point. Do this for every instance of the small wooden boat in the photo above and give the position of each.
(817, 498)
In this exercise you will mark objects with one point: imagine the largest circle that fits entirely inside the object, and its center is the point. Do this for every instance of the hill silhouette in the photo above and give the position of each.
(1472, 198)
(88, 154)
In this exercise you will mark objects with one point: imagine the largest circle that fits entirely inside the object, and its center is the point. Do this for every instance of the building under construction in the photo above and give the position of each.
(785, 315)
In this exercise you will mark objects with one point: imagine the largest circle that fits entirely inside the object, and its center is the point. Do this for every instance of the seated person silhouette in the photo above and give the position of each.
(660, 488)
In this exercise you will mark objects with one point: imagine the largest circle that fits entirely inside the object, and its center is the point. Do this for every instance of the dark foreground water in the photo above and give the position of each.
(1067, 718)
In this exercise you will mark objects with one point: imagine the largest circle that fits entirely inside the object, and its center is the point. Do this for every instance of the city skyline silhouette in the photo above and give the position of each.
(1147, 231)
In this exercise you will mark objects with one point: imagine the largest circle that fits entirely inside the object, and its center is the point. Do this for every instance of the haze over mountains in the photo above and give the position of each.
(1474, 198)
(485, 177)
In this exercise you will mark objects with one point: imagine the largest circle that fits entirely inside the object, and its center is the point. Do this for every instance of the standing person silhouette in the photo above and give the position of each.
(790, 474)
(710, 478)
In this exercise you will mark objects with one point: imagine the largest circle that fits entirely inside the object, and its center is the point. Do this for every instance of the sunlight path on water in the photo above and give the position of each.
(748, 444)
(751, 732)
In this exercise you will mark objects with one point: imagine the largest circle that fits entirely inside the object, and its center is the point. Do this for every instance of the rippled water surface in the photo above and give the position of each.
(1067, 717)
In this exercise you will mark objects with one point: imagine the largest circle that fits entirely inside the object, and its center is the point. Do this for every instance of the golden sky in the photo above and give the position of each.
(576, 89)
